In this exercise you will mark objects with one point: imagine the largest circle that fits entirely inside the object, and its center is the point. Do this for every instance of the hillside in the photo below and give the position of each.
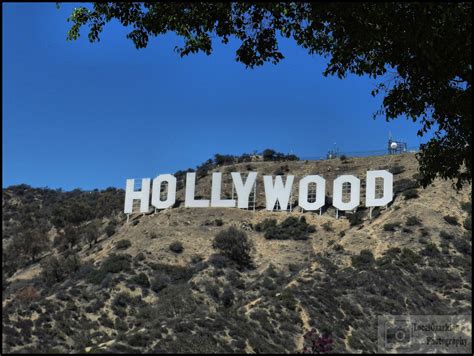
(157, 284)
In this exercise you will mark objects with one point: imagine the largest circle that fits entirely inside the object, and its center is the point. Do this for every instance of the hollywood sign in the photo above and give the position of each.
(275, 191)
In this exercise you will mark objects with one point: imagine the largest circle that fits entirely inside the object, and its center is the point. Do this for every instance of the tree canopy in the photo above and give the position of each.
(421, 52)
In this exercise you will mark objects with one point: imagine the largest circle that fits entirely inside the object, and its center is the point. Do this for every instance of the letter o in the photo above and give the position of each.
(171, 194)
(337, 192)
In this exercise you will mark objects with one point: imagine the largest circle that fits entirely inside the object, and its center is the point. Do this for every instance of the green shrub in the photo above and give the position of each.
(355, 218)
(375, 212)
(293, 267)
(290, 228)
(279, 171)
(218, 261)
(113, 264)
(413, 221)
(468, 223)
(410, 256)
(235, 280)
(446, 235)
(121, 300)
(327, 226)
(57, 269)
(424, 232)
(196, 259)
(141, 279)
(234, 244)
(287, 299)
(338, 247)
(268, 283)
(176, 247)
(123, 244)
(430, 250)
(391, 226)
(364, 260)
(139, 257)
(467, 207)
(116, 263)
(397, 170)
(110, 229)
(160, 281)
(265, 225)
(227, 297)
(411, 194)
(451, 220)
(404, 185)
(462, 246)
(138, 339)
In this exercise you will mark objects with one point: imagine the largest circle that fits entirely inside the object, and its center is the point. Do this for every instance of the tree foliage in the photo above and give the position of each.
(30, 214)
(421, 52)
(234, 244)
(56, 269)
(31, 244)
(91, 232)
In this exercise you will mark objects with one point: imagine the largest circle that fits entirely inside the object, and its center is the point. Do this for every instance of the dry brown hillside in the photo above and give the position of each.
(411, 258)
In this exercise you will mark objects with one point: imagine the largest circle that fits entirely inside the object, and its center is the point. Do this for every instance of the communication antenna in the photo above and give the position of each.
(334, 153)
(395, 147)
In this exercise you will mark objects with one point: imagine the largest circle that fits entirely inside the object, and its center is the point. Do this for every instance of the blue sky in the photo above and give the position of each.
(77, 114)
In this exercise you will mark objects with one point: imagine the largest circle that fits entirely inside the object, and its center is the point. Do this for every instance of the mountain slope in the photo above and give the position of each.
(141, 296)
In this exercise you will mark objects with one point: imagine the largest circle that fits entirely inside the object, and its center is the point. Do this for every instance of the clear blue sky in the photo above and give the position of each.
(77, 114)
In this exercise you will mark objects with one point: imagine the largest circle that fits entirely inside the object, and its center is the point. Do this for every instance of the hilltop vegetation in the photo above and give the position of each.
(30, 216)
(230, 280)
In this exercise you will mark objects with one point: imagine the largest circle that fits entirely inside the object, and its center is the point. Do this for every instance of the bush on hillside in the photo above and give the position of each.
(57, 269)
(391, 226)
(397, 170)
(355, 218)
(467, 224)
(160, 281)
(115, 263)
(290, 228)
(364, 260)
(413, 221)
(176, 247)
(234, 244)
(110, 229)
(411, 194)
(123, 244)
(141, 279)
(265, 224)
(327, 226)
(404, 185)
(451, 220)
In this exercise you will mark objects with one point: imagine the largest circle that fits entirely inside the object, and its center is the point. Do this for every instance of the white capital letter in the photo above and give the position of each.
(243, 191)
(337, 192)
(279, 191)
(170, 195)
(143, 195)
(216, 200)
(303, 192)
(370, 199)
(189, 201)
